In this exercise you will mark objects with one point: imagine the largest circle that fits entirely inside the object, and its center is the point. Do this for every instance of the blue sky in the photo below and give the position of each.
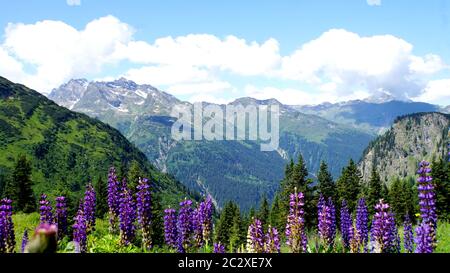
(411, 37)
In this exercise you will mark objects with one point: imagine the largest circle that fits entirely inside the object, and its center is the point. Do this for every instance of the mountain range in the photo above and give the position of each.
(236, 170)
(66, 149)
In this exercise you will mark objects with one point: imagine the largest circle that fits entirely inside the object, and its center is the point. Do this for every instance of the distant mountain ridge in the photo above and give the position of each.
(238, 170)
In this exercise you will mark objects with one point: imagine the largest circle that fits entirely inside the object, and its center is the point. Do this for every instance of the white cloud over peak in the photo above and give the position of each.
(349, 62)
(73, 2)
(374, 2)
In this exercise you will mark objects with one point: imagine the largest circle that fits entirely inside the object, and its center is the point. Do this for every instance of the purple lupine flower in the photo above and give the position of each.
(45, 210)
(219, 248)
(423, 240)
(255, 237)
(327, 222)
(80, 232)
(346, 225)
(205, 218)
(24, 241)
(61, 216)
(408, 235)
(185, 227)
(427, 199)
(3, 229)
(383, 233)
(272, 241)
(170, 227)
(7, 235)
(127, 216)
(144, 211)
(197, 227)
(113, 199)
(89, 207)
(295, 227)
(362, 223)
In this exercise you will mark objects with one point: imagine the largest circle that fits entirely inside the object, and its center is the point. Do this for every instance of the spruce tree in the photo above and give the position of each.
(135, 172)
(157, 222)
(397, 199)
(277, 218)
(303, 184)
(102, 197)
(348, 185)
(237, 232)
(263, 213)
(441, 180)
(374, 191)
(225, 223)
(326, 186)
(19, 189)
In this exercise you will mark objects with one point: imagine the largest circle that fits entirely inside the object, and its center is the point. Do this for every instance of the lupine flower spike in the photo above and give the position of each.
(45, 210)
(144, 211)
(170, 227)
(295, 228)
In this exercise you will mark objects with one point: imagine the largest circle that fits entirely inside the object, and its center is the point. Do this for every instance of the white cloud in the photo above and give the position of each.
(59, 52)
(10, 67)
(199, 88)
(73, 2)
(374, 2)
(203, 50)
(167, 74)
(349, 62)
(436, 92)
(291, 96)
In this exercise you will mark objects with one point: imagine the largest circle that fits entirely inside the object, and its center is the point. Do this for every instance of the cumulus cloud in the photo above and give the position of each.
(292, 96)
(347, 62)
(436, 92)
(73, 2)
(202, 50)
(59, 52)
(168, 74)
(374, 2)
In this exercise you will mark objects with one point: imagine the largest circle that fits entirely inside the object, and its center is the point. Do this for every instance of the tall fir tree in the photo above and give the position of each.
(237, 231)
(19, 188)
(102, 197)
(441, 180)
(263, 213)
(157, 220)
(225, 223)
(349, 185)
(326, 185)
(397, 199)
(134, 173)
(277, 218)
(374, 191)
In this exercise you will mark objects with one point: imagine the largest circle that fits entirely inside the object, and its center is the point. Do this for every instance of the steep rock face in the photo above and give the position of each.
(412, 138)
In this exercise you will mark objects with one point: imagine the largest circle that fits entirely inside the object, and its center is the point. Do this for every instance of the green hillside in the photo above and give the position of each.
(66, 149)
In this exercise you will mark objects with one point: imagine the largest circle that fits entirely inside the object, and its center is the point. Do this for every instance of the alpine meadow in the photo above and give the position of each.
(301, 129)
